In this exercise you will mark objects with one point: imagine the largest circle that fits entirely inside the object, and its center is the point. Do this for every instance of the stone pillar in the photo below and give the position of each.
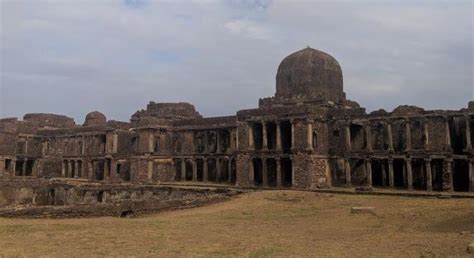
(114, 143)
(391, 182)
(309, 135)
(250, 136)
(368, 167)
(194, 170)
(206, 148)
(348, 138)
(264, 172)
(183, 169)
(69, 169)
(471, 176)
(409, 173)
(426, 134)
(468, 134)
(368, 136)
(26, 145)
(251, 173)
(218, 142)
(390, 136)
(150, 170)
(447, 133)
(278, 137)
(384, 174)
(264, 136)
(229, 169)
(218, 170)
(293, 122)
(237, 138)
(151, 140)
(76, 168)
(448, 178)
(408, 134)
(279, 176)
(107, 169)
(347, 168)
(429, 176)
(63, 169)
(205, 170)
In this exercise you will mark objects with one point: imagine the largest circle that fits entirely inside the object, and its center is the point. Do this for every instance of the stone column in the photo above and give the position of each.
(368, 167)
(471, 176)
(429, 177)
(426, 133)
(150, 170)
(278, 168)
(309, 135)
(183, 169)
(448, 178)
(76, 168)
(69, 169)
(264, 136)
(194, 170)
(347, 168)
(348, 138)
(206, 148)
(468, 134)
(229, 169)
(218, 170)
(218, 142)
(391, 182)
(237, 138)
(114, 143)
(447, 135)
(409, 174)
(368, 135)
(278, 136)
(151, 140)
(205, 170)
(293, 122)
(264, 172)
(390, 136)
(63, 169)
(250, 136)
(408, 134)
(384, 174)
(107, 169)
(26, 145)
(251, 173)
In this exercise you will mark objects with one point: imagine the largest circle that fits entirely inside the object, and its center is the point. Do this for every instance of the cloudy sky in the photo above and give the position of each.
(72, 57)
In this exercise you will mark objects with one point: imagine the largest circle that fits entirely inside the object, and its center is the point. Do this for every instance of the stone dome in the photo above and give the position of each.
(95, 119)
(310, 74)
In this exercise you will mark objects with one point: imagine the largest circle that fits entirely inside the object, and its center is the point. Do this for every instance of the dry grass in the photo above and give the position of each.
(261, 224)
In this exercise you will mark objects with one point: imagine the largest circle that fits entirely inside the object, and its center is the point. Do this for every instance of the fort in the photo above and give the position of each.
(307, 136)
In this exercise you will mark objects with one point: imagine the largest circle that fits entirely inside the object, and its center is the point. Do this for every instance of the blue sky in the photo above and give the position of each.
(72, 57)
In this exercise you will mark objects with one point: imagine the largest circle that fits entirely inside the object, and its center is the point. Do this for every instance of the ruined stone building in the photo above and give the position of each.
(307, 136)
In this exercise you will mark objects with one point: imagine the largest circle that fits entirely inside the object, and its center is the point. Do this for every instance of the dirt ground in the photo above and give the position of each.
(259, 224)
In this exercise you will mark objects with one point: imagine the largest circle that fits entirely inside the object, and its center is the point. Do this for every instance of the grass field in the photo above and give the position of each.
(259, 224)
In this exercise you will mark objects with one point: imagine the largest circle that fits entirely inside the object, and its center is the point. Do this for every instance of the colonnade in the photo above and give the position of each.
(72, 168)
(388, 175)
(408, 138)
(229, 173)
